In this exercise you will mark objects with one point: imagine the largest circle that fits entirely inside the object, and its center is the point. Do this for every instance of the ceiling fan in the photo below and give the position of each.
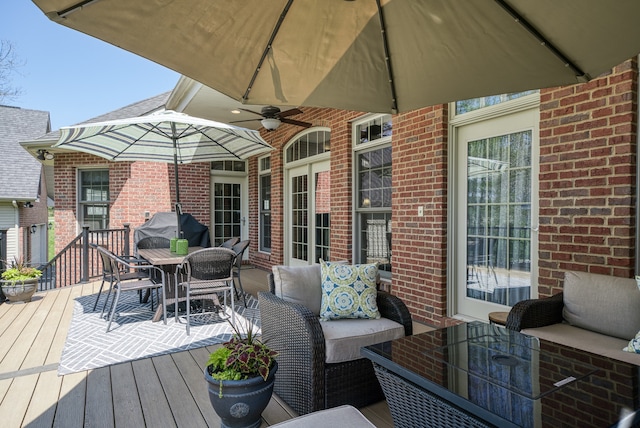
(272, 117)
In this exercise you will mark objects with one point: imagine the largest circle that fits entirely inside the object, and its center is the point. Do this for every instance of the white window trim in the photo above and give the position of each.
(358, 148)
(261, 173)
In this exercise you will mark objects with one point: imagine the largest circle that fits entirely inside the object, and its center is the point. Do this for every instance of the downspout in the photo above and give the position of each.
(637, 248)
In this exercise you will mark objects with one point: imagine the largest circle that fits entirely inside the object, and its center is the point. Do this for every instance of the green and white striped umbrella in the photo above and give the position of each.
(166, 136)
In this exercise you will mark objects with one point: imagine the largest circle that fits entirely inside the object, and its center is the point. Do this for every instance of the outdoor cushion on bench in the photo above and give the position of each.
(594, 313)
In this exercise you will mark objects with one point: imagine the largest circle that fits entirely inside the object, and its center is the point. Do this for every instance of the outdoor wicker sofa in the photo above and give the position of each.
(304, 379)
(595, 313)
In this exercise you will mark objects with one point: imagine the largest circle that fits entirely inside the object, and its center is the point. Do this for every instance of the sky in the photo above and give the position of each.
(71, 75)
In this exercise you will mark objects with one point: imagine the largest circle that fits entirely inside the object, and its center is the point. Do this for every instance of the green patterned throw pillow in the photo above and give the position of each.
(348, 291)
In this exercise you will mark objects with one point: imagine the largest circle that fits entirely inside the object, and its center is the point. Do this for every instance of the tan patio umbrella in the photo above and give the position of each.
(366, 55)
(165, 136)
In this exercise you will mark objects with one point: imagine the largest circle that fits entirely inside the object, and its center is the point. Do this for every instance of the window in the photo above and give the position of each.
(310, 144)
(477, 103)
(93, 199)
(373, 193)
(3, 250)
(229, 166)
(265, 203)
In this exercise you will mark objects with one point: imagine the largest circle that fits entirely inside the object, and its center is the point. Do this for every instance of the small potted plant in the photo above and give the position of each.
(241, 374)
(19, 281)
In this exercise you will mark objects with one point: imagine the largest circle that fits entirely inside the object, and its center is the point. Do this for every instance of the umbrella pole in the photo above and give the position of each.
(175, 175)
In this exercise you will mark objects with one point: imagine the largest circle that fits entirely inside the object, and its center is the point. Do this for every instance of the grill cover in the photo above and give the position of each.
(164, 224)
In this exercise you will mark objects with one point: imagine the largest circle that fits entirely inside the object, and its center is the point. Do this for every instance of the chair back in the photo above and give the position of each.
(229, 243)
(109, 266)
(153, 242)
(209, 264)
(239, 249)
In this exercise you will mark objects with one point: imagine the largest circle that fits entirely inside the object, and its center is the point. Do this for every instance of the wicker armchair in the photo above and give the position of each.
(304, 380)
(535, 313)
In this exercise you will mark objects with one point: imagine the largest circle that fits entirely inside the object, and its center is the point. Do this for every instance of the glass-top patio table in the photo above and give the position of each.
(476, 374)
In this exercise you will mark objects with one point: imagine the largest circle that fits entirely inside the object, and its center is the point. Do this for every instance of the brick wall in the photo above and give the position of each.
(134, 188)
(420, 243)
(587, 178)
(587, 190)
(341, 185)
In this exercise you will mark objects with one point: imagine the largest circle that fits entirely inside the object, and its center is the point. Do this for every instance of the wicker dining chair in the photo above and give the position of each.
(152, 242)
(203, 274)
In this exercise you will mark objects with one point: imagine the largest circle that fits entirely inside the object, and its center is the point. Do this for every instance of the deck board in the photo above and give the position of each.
(155, 407)
(44, 400)
(72, 392)
(98, 414)
(167, 390)
(126, 402)
(191, 371)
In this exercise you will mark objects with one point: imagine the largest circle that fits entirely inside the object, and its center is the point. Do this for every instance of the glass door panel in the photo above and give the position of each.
(228, 209)
(309, 213)
(498, 211)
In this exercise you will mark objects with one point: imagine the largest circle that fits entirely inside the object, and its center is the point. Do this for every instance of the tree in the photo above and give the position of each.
(9, 63)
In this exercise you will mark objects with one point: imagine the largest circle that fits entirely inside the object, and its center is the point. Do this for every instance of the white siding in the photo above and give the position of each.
(9, 221)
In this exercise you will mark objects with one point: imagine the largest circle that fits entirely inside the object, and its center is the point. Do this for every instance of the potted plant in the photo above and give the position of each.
(241, 374)
(20, 281)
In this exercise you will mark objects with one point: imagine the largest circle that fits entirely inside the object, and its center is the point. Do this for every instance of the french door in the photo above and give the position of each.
(308, 213)
(497, 207)
(229, 212)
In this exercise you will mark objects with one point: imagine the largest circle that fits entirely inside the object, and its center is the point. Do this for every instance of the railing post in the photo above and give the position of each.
(127, 231)
(84, 274)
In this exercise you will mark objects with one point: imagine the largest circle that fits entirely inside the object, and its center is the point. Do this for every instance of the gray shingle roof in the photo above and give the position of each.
(20, 172)
(139, 108)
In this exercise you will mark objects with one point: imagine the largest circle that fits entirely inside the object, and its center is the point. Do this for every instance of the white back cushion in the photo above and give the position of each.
(299, 284)
(605, 304)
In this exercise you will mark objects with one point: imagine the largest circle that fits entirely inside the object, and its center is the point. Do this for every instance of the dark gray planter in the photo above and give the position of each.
(19, 291)
(242, 401)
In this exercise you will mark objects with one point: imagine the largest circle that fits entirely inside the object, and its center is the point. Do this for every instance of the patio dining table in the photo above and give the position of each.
(166, 260)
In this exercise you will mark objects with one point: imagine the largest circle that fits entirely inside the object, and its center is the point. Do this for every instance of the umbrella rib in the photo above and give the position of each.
(245, 97)
(68, 11)
(387, 59)
(581, 76)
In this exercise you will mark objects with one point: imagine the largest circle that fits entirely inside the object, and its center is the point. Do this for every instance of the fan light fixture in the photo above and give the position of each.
(270, 123)
(44, 155)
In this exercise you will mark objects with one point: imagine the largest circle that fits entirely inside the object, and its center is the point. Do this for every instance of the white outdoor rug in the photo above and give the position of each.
(134, 336)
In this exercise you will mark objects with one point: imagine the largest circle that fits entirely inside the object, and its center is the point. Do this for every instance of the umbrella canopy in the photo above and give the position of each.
(366, 55)
(166, 136)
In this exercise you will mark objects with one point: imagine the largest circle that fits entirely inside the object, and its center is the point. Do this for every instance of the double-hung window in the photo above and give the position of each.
(372, 164)
(93, 198)
(264, 180)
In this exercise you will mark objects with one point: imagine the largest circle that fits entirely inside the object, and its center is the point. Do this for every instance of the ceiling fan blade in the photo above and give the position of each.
(289, 112)
(250, 111)
(247, 120)
(295, 122)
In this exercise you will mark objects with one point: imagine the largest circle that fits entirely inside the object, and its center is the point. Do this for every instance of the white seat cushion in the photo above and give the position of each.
(344, 338)
(586, 340)
(343, 416)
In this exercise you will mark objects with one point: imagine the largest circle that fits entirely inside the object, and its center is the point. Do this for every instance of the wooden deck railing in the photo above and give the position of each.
(78, 262)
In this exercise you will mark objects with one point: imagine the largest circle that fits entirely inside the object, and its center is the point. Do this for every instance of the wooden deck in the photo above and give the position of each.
(162, 391)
